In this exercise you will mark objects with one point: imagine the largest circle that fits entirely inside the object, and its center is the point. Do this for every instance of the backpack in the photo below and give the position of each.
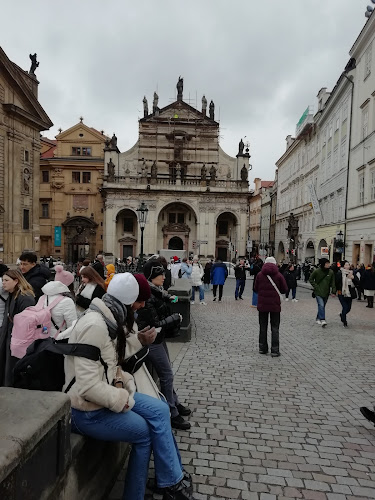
(180, 274)
(31, 324)
(42, 367)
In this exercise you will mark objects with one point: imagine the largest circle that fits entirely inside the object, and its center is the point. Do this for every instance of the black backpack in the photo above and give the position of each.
(42, 368)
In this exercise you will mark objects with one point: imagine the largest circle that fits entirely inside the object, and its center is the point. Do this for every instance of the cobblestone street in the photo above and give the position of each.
(289, 427)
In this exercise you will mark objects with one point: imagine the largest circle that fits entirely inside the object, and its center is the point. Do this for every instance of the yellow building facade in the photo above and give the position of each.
(70, 202)
(22, 119)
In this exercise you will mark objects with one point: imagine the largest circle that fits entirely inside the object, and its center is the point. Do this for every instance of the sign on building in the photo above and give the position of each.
(314, 200)
(324, 252)
(57, 236)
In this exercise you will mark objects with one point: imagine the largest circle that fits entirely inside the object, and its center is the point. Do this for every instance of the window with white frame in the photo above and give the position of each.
(341, 207)
(365, 113)
(372, 185)
(361, 181)
(368, 57)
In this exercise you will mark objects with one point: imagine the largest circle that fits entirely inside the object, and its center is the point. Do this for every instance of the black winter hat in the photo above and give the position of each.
(152, 269)
(323, 262)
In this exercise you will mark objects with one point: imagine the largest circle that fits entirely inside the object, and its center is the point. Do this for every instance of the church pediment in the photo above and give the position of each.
(25, 106)
(88, 134)
(178, 111)
(176, 228)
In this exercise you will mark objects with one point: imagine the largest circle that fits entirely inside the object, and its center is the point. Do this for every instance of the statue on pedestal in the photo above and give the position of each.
(145, 106)
(178, 171)
(154, 170)
(155, 102)
(204, 172)
(180, 88)
(241, 146)
(26, 180)
(213, 173)
(204, 105)
(212, 110)
(244, 174)
(113, 142)
(111, 170)
(34, 63)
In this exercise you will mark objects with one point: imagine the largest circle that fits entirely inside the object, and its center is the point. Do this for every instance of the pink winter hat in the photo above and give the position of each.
(65, 277)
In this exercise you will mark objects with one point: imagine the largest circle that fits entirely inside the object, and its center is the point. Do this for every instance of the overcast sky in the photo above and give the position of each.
(261, 62)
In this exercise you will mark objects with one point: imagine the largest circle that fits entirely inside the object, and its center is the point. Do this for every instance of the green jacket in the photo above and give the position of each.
(322, 282)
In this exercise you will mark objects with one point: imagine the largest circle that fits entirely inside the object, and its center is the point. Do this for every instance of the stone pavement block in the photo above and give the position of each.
(228, 492)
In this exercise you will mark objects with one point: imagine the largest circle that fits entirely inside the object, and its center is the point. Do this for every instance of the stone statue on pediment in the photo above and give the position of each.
(111, 170)
(204, 172)
(145, 106)
(212, 110)
(178, 171)
(155, 102)
(204, 105)
(180, 88)
(26, 180)
(244, 174)
(241, 146)
(213, 173)
(154, 170)
(113, 141)
(34, 63)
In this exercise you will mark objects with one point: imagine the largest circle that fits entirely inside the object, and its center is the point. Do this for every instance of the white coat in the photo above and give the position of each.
(196, 274)
(64, 313)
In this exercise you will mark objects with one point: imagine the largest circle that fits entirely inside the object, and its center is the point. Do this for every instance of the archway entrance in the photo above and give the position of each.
(126, 233)
(281, 252)
(80, 236)
(310, 252)
(325, 252)
(226, 237)
(175, 243)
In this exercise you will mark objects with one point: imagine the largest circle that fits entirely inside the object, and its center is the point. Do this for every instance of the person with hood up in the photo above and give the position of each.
(219, 274)
(196, 281)
(105, 404)
(35, 274)
(269, 285)
(64, 313)
(111, 271)
(156, 314)
(322, 281)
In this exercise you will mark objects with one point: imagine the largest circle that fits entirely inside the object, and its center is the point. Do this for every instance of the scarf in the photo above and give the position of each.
(117, 309)
(346, 282)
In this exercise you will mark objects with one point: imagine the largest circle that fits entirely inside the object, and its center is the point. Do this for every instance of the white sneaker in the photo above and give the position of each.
(318, 322)
(295, 300)
(192, 302)
(324, 323)
(203, 303)
(286, 300)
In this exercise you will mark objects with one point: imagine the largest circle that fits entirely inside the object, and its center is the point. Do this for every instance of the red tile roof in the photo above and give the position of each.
(266, 184)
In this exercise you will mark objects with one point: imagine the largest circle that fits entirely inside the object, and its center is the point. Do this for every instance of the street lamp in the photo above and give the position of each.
(142, 212)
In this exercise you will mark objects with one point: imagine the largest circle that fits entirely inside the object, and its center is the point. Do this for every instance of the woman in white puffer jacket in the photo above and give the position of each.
(196, 281)
(64, 313)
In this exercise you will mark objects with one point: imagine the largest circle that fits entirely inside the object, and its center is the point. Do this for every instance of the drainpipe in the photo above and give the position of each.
(349, 67)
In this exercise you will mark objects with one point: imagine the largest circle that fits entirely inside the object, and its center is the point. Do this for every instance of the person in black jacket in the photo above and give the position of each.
(290, 276)
(240, 275)
(92, 285)
(167, 273)
(35, 274)
(99, 265)
(156, 314)
(368, 285)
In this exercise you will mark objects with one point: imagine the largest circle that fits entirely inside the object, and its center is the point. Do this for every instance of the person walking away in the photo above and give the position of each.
(323, 282)
(111, 271)
(345, 285)
(269, 285)
(64, 313)
(290, 276)
(156, 314)
(105, 405)
(368, 285)
(358, 273)
(257, 267)
(186, 269)
(240, 275)
(196, 281)
(175, 267)
(219, 274)
(92, 286)
(207, 275)
(21, 295)
(35, 274)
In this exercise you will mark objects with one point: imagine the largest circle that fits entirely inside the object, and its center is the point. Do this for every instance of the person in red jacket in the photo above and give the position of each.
(269, 284)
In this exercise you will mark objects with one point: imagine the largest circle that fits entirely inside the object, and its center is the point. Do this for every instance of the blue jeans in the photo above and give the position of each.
(240, 285)
(322, 301)
(201, 292)
(346, 304)
(147, 427)
(207, 287)
(294, 290)
(254, 301)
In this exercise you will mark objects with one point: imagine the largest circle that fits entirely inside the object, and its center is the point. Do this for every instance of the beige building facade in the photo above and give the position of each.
(70, 201)
(196, 194)
(22, 118)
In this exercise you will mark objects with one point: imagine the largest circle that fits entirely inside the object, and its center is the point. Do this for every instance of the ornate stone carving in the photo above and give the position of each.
(176, 228)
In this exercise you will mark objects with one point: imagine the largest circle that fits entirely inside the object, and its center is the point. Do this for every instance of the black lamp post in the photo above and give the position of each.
(142, 212)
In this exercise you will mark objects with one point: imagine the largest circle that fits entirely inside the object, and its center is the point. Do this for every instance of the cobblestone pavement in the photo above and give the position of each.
(275, 428)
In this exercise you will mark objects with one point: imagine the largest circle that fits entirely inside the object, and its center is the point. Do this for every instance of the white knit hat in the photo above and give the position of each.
(124, 287)
(270, 260)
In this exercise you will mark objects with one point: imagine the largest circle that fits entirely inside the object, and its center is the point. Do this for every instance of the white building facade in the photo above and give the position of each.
(360, 227)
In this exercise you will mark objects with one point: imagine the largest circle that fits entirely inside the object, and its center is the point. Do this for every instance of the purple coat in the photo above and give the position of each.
(268, 298)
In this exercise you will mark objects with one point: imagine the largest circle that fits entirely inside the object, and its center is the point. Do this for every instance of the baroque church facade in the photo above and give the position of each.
(197, 195)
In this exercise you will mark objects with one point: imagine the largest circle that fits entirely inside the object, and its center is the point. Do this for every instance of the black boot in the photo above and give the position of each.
(370, 302)
(180, 491)
(368, 414)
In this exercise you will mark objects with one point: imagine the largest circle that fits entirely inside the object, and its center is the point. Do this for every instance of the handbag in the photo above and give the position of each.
(353, 292)
(133, 363)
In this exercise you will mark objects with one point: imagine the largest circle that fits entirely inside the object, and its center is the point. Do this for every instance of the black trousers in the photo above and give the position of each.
(263, 326)
(214, 288)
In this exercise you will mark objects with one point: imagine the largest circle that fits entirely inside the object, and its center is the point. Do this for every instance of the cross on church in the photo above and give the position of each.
(81, 119)
(60, 130)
